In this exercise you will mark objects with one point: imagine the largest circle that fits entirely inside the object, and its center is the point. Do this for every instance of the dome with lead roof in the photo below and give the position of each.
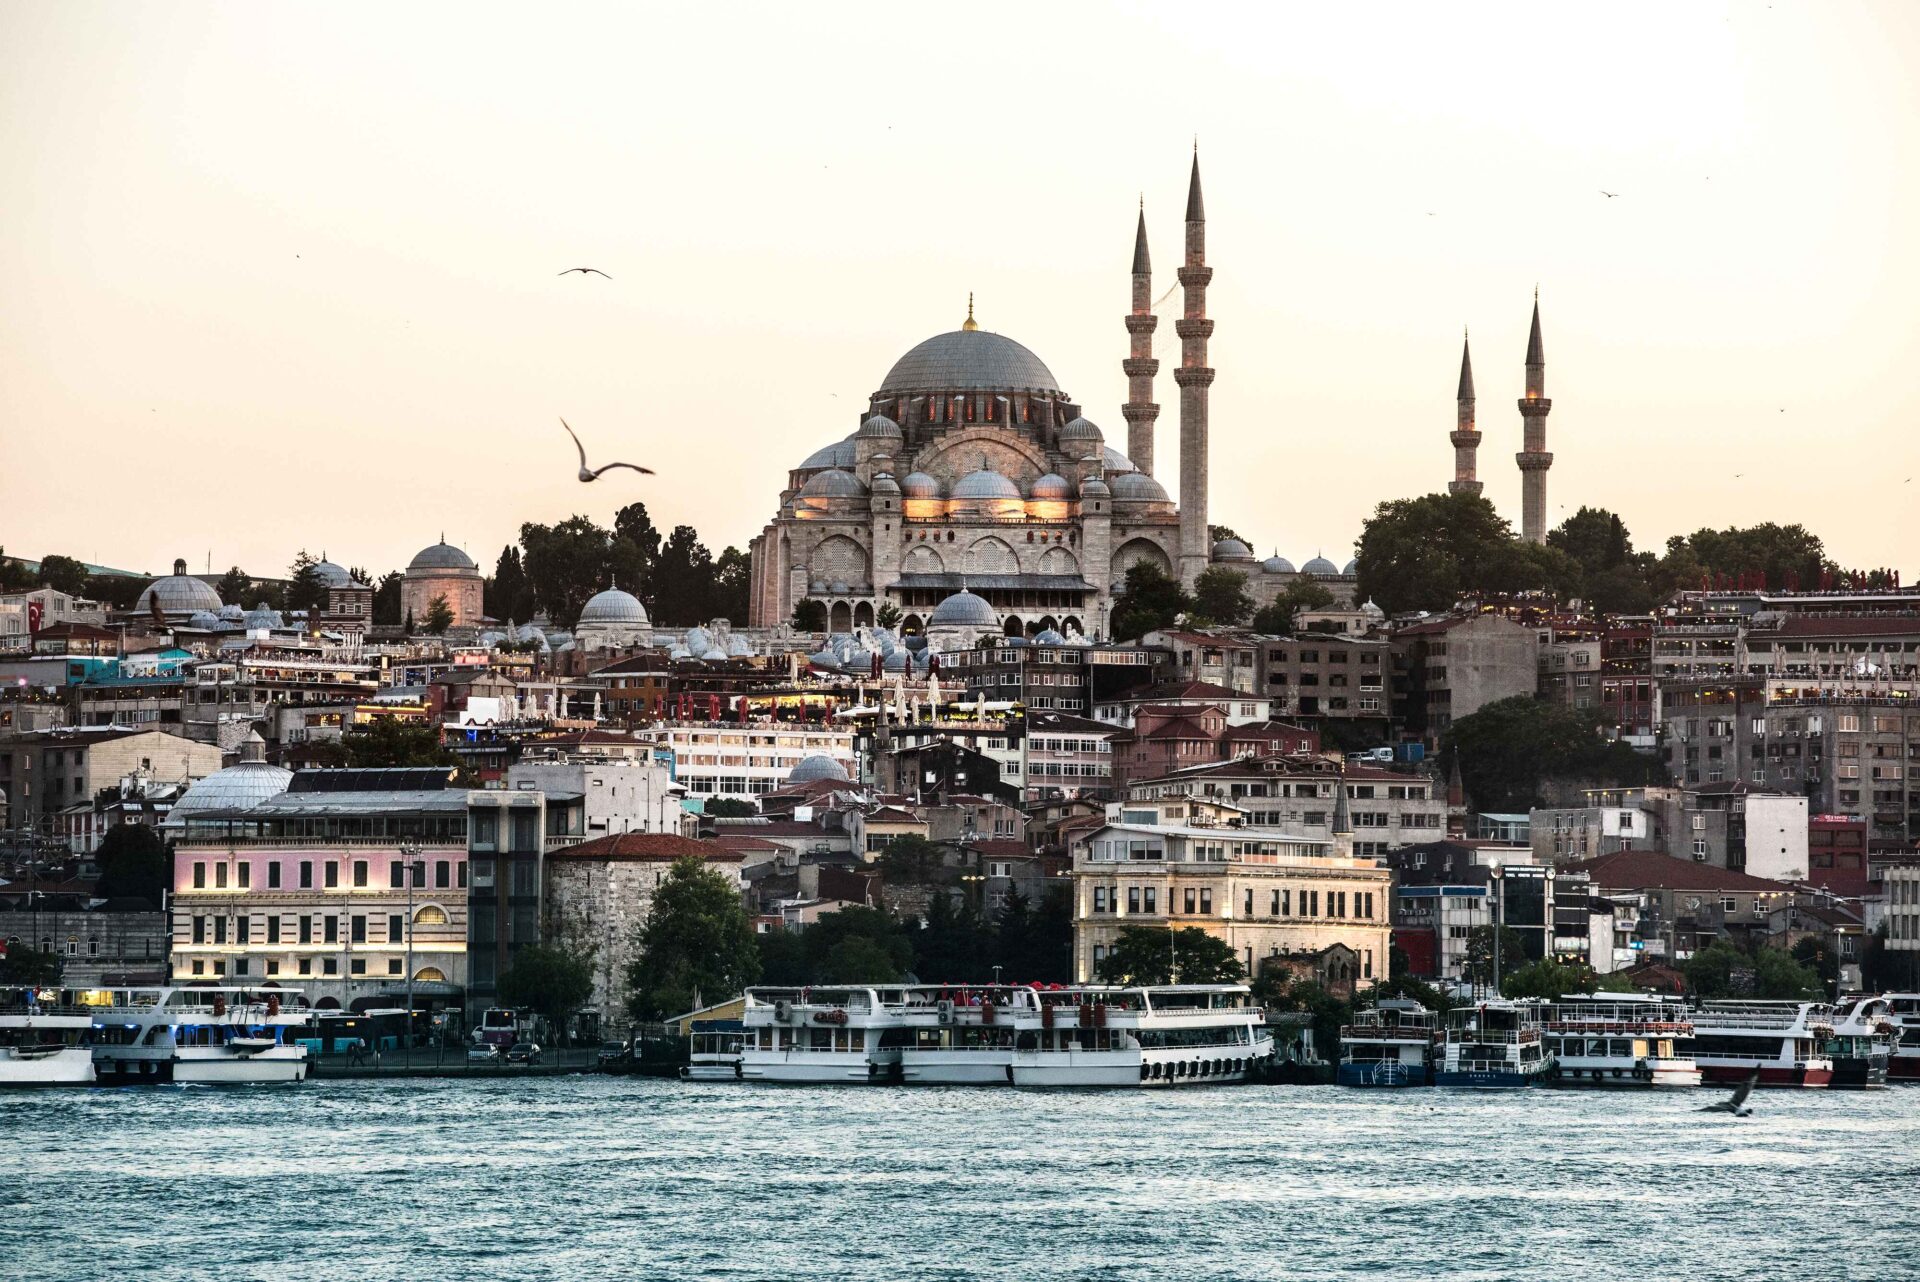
(613, 606)
(1081, 429)
(969, 360)
(178, 593)
(833, 484)
(1277, 564)
(1050, 486)
(879, 427)
(1232, 550)
(963, 610)
(1139, 488)
(918, 485)
(838, 454)
(817, 766)
(442, 558)
(985, 484)
(1320, 566)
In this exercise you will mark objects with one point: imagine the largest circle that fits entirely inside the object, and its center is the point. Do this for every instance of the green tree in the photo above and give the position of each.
(1147, 955)
(1724, 969)
(1887, 970)
(683, 579)
(133, 864)
(1513, 953)
(1427, 553)
(1033, 943)
(911, 860)
(1783, 553)
(1279, 618)
(509, 594)
(64, 574)
(305, 589)
(1278, 990)
(566, 564)
(439, 615)
(1595, 538)
(696, 942)
(386, 600)
(729, 808)
(552, 979)
(732, 578)
(24, 965)
(858, 960)
(636, 546)
(1216, 533)
(14, 576)
(1151, 600)
(810, 615)
(1220, 596)
(234, 587)
(117, 591)
(387, 741)
(1549, 979)
(1812, 952)
(952, 943)
(888, 616)
(1507, 749)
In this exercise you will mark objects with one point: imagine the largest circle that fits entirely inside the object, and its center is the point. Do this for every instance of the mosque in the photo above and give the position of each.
(973, 471)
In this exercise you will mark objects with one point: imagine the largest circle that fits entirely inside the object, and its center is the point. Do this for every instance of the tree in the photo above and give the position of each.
(133, 864)
(1147, 955)
(509, 594)
(1887, 970)
(386, 600)
(439, 615)
(1220, 596)
(910, 859)
(810, 615)
(683, 579)
(1216, 533)
(305, 589)
(858, 960)
(1279, 618)
(695, 944)
(24, 965)
(410, 625)
(565, 563)
(1513, 953)
(552, 980)
(1034, 942)
(732, 578)
(952, 943)
(1509, 747)
(636, 546)
(1549, 979)
(64, 574)
(729, 808)
(1812, 952)
(1427, 553)
(118, 591)
(387, 741)
(14, 577)
(1784, 554)
(234, 587)
(888, 616)
(1724, 969)
(1595, 538)
(1151, 599)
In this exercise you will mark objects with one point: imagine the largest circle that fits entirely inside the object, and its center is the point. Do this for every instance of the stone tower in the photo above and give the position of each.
(1194, 377)
(1466, 437)
(1533, 457)
(1140, 411)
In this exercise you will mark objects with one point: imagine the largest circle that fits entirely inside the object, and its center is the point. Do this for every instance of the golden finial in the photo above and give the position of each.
(969, 324)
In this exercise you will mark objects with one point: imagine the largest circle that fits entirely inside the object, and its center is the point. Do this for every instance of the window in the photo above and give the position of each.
(330, 932)
(199, 929)
(273, 929)
(1191, 898)
(219, 930)
(359, 929)
(359, 873)
(306, 965)
(243, 876)
(1099, 899)
(359, 966)
(242, 929)
(220, 876)
(1153, 897)
(1729, 904)
(396, 875)
(199, 876)
(330, 966)
(393, 963)
(1133, 900)
(1206, 899)
(396, 927)
(306, 874)
(443, 874)
(1247, 902)
(306, 932)
(273, 875)
(1273, 909)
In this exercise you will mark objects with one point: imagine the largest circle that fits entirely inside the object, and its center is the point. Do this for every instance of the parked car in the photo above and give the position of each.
(523, 1053)
(484, 1053)
(611, 1054)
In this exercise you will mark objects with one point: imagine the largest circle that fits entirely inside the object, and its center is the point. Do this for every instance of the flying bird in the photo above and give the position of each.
(584, 270)
(1608, 194)
(593, 474)
(1736, 1103)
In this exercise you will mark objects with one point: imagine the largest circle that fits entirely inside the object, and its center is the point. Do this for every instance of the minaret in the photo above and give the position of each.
(1466, 437)
(1140, 411)
(1533, 457)
(1194, 377)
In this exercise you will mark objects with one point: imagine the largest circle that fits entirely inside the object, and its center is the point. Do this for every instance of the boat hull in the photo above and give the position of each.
(68, 1066)
(1639, 1075)
(821, 1069)
(1489, 1079)
(712, 1072)
(208, 1070)
(1201, 1066)
(1904, 1068)
(1859, 1072)
(1383, 1076)
(956, 1068)
(1815, 1077)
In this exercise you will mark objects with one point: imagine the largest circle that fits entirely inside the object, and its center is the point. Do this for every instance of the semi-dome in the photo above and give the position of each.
(1050, 486)
(613, 606)
(442, 557)
(817, 766)
(985, 484)
(918, 485)
(1277, 564)
(963, 610)
(838, 454)
(1320, 565)
(1232, 550)
(969, 360)
(833, 484)
(178, 593)
(879, 427)
(1115, 461)
(1080, 429)
(1139, 487)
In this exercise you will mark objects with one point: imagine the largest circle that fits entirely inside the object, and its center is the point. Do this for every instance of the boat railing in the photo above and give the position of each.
(45, 1010)
(1760, 1021)
(1638, 1028)
(1494, 1036)
(1387, 1032)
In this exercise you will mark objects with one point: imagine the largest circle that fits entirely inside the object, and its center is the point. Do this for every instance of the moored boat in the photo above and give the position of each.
(212, 1036)
(1620, 1040)
(45, 1040)
(1494, 1044)
(714, 1050)
(962, 1035)
(840, 1034)
(1861, 1047)
(1904, 1063)
(1393, 1044)
(1163, 1035)
(1778, 1043)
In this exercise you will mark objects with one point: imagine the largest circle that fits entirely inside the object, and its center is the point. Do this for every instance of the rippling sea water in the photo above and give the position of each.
(594, 1177)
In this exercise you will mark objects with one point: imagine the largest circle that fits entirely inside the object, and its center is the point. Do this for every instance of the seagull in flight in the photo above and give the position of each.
(1736, 1103)
(1608, 194)
(593, 474)
(584, 270)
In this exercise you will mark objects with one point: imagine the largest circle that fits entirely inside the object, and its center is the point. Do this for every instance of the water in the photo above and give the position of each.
(593, 1177)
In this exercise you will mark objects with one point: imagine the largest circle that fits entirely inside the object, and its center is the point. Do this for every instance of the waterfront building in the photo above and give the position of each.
(1236, 708)
(1067, 757)
(47, 771)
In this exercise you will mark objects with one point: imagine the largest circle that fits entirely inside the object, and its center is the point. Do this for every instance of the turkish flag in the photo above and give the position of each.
(36, 610)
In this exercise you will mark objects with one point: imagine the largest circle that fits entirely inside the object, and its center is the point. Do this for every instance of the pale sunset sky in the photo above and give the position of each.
(276, 276)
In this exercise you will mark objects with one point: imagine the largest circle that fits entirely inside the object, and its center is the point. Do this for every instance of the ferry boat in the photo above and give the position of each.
(203, 1035)
(715, 1051)
(1777, 1043)
(1494, 1044)
(1393, 1044)
(1620, 1039)
(1165, 1035)
(1904, 1010)
(963, 1035)
(830, 1034)
(44, 1039)
(1862, 1045)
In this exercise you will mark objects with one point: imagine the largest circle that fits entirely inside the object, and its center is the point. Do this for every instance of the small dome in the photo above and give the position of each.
(442, 557)
(1050, 486)
(238, 787)
(261, 617)
(233, 613)
(1277, 564)
(884, 483)
(898, 660)
(1353, 567)
(1139, 488)
(833, 484)
(1232, 550)
(1049, 636)
(613, 606)
(178, 593)
(969, 360)
(1081, 429)
(1320, 566)
(1094, 488)
(919, 485)
(817, 766)
(1116, 461)
(715, 653)
(985, 484)
(879, 427)
(204, 619)
(963, 610)
(333, 576)
(838, 454)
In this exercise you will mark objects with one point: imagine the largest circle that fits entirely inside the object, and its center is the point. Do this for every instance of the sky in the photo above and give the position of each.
(280, 276)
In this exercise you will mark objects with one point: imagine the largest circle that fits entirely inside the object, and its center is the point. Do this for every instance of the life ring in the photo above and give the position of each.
(830, 1017)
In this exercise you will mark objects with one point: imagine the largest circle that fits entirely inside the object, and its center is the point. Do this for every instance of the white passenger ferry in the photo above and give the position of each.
(714, 1051)
(1620, 1039)
(1864, 1036)
(1393, 1044)
(962, 1035)
(202, 1035)
(1904, 1010)
(44, 1039)
(828, 1034)
(1780, 1043)
(1166, 1035)
(1494, 1044)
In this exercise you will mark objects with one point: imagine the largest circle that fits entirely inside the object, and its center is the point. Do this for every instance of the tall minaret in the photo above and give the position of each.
(1533, 457)
(1194, 377)
(1466, 437)
(1140, 411)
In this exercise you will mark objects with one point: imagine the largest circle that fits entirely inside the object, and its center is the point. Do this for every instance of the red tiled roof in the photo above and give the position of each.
(1652, 870)
(745, 845)
(647, 847)
(1001, 847)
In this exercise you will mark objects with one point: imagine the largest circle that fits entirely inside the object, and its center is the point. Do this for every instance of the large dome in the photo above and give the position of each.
(964, 610)
(441, 557)
(1139, 487)
(817, 766)
(969, 360)
(178, 593)
(838, 454)
(833, 484)
(1320, 566)
(238, 787)
(613, 606)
